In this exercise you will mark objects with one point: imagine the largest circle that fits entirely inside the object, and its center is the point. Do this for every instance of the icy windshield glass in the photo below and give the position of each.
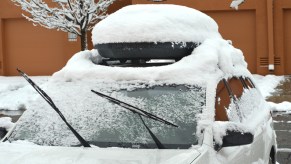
(107, 125)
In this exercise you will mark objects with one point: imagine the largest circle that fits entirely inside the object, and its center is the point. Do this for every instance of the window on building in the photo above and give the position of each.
(72, 37)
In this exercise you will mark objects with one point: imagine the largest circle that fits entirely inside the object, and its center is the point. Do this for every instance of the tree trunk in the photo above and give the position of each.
(84, 44)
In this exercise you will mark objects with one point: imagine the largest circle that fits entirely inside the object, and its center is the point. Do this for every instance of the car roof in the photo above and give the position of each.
(212, 60)
(155, 23)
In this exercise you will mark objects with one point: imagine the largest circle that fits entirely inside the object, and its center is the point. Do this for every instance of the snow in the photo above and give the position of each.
(235, 3)
(284, 106)
(27, 153)
(80, 75)
(248, 119)
(212, 52)
(6, 122)
(267, 84)
(284, 150)
(70, 87)
(68, 16)
(155, 23)
(15, 92)
(97, 114)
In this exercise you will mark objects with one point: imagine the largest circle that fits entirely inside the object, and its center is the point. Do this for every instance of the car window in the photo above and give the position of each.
(236, 87)
(243, 104)
(228, 92)
(222, 102)
(249, 83)
(107, 125)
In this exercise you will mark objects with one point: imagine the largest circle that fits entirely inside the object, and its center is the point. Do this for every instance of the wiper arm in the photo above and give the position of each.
(134, 109)
(140, 113)
(156, 140)
(51, 103)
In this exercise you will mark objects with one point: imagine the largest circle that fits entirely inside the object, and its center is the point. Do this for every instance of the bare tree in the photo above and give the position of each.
(74, 16)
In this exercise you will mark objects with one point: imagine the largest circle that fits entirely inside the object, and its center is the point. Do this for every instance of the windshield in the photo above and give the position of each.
(107, 125)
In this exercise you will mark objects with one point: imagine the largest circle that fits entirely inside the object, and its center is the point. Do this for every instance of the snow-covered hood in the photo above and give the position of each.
(15, 153)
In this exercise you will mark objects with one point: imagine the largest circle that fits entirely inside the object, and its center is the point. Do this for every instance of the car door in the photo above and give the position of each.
(258, 112)
(227, 92)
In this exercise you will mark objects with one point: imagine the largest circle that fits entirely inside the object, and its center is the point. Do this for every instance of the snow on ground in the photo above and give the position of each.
(281, 107)
(284, 150)
(15, 92)
(267, 84)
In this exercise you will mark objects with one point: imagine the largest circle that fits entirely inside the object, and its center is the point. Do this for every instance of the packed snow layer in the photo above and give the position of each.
(155, 23)
(211, 60)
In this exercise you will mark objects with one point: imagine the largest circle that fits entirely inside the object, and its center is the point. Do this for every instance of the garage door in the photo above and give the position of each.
(287, 40)
(36, 50)
(241, 31)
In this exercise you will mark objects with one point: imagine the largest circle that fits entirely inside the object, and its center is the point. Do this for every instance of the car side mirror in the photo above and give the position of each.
(226, 134)
(236, 138)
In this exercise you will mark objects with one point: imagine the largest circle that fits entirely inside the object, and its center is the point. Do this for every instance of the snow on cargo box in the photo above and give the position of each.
(152, 32)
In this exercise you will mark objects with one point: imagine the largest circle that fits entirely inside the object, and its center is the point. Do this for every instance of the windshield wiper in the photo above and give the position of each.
(134, 109)
(51, 103)
(140, 113)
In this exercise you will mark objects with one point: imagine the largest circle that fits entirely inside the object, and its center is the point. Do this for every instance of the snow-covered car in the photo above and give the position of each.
(204, 108)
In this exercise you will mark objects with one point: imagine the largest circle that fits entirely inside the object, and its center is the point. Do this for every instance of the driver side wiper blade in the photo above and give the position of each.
(51, 103)
(134, 109)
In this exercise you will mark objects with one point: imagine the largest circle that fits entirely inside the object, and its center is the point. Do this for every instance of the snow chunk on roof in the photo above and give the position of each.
(155, 23)
(210, 61)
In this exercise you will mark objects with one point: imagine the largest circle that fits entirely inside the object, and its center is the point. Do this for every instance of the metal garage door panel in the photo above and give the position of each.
(36, 50)
(287, 40)
(239, 27)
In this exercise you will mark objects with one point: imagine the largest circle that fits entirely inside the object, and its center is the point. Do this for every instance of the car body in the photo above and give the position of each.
(210, 95)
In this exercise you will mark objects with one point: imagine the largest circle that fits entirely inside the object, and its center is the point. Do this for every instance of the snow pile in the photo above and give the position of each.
(267, 84)
(281, 107)
(6, 122)
(15, 92)
(209, 61)
(155, 23)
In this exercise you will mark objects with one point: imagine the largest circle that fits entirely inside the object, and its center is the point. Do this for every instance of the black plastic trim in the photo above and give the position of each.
(146, 50)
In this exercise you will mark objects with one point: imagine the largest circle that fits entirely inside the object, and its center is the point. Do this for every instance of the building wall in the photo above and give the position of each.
(260, 28)
(34, 49)
(254, 28)
(282, 34)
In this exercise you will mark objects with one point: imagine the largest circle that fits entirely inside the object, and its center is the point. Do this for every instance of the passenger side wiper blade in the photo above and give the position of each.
(134, 109)
(140, 113)
(51, 103)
